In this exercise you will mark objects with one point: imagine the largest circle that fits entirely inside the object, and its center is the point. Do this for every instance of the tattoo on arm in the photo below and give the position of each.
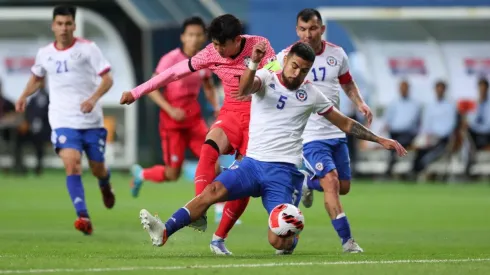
(361, 132)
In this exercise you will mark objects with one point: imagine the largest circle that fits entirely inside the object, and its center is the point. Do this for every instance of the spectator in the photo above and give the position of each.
(38, 133)
(479, 120)
(9, 120)
(402, 120)
(439, 123)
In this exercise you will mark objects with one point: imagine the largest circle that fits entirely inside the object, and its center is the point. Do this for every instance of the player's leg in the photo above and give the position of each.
(69, 145)
(281, 184)
(173, 150)
(233, 209)
(195, 137)
(231, 184)
(94, 142)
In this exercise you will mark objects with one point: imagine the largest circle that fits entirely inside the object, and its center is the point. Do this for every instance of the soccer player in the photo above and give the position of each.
(227, 56)
(325, 149)
(72, 66)
(281, 105)
(181, 124)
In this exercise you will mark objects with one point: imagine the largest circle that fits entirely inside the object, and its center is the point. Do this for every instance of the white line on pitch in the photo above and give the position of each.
(137, 268)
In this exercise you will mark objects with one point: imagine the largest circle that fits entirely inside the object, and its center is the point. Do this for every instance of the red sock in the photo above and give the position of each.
(154, 174)
(231, 213)
(205, 171)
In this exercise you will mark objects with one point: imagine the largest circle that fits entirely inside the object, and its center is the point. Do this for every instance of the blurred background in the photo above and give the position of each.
(407, 56)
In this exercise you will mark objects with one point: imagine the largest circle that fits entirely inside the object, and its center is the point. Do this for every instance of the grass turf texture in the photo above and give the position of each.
(391, 222)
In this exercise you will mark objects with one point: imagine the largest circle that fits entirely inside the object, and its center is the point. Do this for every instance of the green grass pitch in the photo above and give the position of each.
(403, 228)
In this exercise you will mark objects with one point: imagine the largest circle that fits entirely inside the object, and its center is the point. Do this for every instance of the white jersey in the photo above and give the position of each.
(278, 117)
(72, 78)
(330, 69)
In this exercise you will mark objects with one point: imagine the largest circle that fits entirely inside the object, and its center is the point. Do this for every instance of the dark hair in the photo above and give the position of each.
(224, 27)
(304, 51)
(65, 10)
(195, 20)
(308, 14)
(441, 83)
(483, 81)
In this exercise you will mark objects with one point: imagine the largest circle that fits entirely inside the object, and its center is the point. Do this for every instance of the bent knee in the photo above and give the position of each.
(215, 191)
(330, 183)
(172, 174)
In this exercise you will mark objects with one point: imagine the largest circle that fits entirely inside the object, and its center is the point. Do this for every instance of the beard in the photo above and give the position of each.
(291, 84)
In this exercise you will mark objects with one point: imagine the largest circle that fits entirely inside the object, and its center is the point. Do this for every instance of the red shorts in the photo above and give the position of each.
(235, 125)
(175, 141)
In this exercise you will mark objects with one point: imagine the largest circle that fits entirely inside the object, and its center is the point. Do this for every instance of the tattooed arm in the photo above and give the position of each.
(356, 129)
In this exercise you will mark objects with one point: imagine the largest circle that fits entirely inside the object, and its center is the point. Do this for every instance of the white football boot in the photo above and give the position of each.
(307, 194)
(352, 247)
(154, 226)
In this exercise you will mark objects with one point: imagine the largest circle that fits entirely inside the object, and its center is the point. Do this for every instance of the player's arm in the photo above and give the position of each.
(210, 92)
(179, 70)
(33, 84)
(356, 129)
(249, 83)
(352, 90)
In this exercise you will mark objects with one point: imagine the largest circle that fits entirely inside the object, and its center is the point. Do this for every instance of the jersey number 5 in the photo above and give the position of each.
(61, 67)
(281, 102)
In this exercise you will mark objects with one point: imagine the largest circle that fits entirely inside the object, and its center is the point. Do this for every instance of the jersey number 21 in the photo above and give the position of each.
(61, 67)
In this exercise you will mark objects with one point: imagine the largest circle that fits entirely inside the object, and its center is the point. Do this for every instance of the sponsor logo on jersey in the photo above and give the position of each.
(301, 95)
(331, 61)
(272, 86)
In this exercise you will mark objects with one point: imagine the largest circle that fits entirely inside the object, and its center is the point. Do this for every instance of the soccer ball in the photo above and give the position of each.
(286, 220)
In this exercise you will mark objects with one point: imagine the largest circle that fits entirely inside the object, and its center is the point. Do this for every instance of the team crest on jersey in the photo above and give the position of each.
(76, 55)
(331, 61)
(246, 61)
(319, 166)
(301, 95)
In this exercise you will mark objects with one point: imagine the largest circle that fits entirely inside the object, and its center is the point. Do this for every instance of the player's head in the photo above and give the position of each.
(193, 34)
(404, 88)
(440, 89)
(309, 27)
(63, 24)
(483, 89)
(224, 32)
(297, 64)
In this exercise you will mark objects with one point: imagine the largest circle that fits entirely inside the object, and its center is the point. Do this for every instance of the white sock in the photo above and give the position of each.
(217, 238)
(341, 215)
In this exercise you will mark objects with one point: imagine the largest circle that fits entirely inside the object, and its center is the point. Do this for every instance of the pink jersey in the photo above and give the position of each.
(229, 70)
(181, 93)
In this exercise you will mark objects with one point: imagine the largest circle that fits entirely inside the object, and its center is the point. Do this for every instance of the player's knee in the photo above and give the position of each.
(330, 183)
(98, 170)
(344, 187)
(214, 192)
(172, 174)
(73, 167)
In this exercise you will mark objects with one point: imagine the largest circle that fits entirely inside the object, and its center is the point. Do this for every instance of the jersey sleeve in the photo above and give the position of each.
(98, 61)
(344, 74)
(323, 105)
(264, 76)
(203, 59)
(165, 62)
(37, 69)
(269, 61)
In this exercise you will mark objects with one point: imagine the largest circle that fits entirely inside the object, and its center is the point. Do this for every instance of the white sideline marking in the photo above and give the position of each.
(137, 268)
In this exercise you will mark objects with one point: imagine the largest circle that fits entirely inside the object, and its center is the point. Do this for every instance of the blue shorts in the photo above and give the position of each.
(90, 141)
(323, 156)
(275, 182)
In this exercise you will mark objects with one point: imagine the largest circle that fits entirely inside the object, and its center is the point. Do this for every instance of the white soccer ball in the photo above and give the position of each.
(286, 220)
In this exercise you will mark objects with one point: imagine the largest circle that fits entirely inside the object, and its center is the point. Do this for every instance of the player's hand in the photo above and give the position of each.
(177, 114)
(20, 105)
(127, 98)
(258, 52)
(366, 112)
(87, 106)
(390, 144)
